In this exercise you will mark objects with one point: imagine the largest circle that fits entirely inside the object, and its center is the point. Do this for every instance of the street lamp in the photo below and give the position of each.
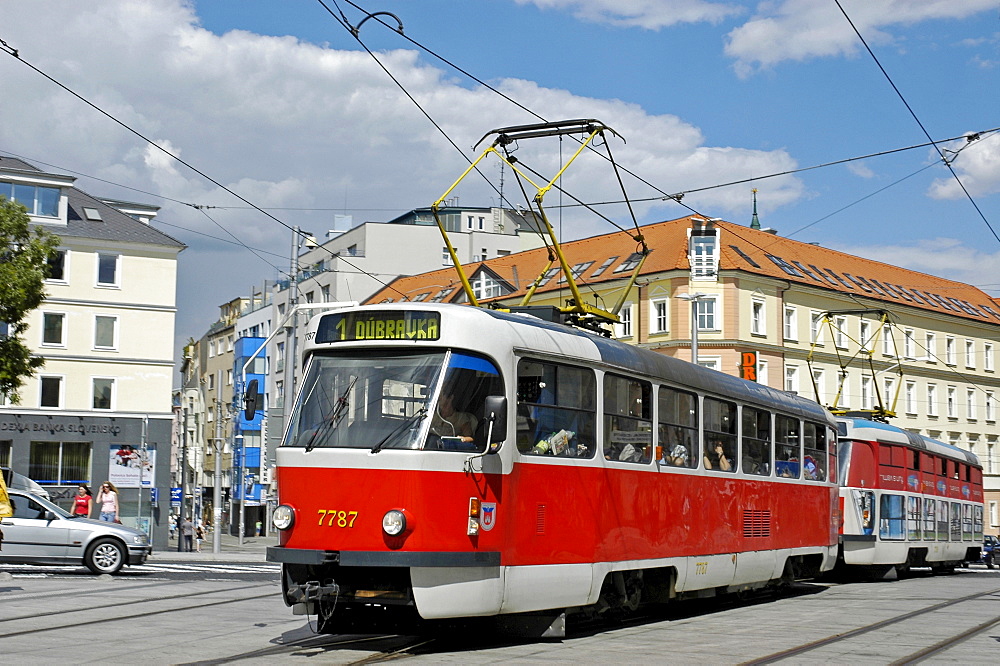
(693, 298)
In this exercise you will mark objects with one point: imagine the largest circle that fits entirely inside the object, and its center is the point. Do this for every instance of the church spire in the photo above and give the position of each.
(754, 222)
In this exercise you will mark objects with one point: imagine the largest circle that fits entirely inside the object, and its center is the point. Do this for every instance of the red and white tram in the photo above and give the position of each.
(907, 500)
(446, 461)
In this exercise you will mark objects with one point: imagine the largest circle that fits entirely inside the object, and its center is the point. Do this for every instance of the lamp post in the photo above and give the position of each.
(693, 298)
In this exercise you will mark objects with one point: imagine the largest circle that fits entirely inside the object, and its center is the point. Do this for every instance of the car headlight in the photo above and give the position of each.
(283, 517)
(140, 539)
(394, 522)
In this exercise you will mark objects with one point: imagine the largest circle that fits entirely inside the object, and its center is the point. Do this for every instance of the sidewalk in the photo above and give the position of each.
(252, 550)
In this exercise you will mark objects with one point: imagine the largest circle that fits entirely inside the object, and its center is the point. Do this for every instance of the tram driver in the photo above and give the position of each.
(447, 422)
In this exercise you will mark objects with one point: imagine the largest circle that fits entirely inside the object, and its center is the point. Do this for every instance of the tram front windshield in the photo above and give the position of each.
(388, 399)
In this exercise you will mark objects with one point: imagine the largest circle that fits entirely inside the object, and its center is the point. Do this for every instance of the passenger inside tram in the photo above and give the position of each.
(715, 457)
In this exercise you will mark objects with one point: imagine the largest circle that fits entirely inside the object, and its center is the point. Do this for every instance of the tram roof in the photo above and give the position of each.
(885, 433)
(740, 249)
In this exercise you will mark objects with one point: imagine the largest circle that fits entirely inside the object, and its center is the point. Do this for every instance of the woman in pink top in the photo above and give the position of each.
(107, 497)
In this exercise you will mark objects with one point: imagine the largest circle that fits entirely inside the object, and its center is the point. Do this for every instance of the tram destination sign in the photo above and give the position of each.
(379, 325)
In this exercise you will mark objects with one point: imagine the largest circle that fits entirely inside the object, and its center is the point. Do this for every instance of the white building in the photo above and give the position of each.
(106, 332)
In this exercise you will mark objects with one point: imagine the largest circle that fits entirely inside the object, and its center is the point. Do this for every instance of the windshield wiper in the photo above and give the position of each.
(339, 411)
(419, 414)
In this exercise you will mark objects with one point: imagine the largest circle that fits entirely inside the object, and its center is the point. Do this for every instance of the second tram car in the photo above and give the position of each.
(445, 461)
(907, 500)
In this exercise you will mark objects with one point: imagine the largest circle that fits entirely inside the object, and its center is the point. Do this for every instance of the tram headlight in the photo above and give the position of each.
(394, 522)
(283, 517)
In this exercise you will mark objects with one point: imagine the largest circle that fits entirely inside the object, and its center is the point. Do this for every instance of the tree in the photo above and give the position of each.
(24, 265)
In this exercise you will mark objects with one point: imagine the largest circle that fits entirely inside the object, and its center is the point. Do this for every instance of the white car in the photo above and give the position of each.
(40, 532)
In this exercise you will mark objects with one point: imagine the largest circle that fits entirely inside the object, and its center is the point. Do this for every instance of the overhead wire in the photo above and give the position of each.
(944, 159)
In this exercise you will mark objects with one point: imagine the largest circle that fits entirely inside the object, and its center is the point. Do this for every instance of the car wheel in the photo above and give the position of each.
(105, 556)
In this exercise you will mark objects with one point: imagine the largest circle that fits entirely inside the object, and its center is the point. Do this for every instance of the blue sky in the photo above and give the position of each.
(277, 101)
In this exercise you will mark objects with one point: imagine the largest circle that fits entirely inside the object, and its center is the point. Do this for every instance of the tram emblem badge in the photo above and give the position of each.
(489, 515)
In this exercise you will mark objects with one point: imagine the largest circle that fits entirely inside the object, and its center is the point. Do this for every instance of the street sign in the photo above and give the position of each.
(175, 497)
(154, 496)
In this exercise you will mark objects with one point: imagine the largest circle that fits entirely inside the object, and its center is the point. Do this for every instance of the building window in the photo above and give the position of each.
(949, 350)
(910, 398)
(624, 327)
(57, 266)
(59, 463)
(105, 332)
(631, 262)
(866, 337)
(761, 371)
(103, 389)
(988, 357)
(107, 270)
(210, 414)
(659, 316)
(53, 330)
(485, 286)
(888, 347)
(211, 382)
(970, 354)
(211, 348)
(816, 328)
(867, 395)
(703, 256)
(39, 200)
(757, 318)
(310, 296)
(990, 415)
(889, 401)
(790, 323)
(952, 407)
(908, 346)
(229, 341)
(970, 404)
(931, 400)
(840, 332)
(930, 347)
(229, 377)
(819, 385)
(706, 314)
(50, 392)
(325, 293)
(792, 379)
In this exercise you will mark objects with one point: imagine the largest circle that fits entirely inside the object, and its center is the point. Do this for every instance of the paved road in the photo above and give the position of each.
(214, 612)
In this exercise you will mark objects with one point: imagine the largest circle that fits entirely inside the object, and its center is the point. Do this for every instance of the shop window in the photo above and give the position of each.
(59, 463)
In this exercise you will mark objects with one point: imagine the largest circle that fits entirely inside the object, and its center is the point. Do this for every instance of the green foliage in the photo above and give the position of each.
(24, 256)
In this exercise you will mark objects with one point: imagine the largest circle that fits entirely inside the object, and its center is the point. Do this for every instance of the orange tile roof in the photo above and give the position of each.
(741, 249)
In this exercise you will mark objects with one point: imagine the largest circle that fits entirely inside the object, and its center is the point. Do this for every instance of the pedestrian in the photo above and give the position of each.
(199, 536)
(260, 528)
(187, 533)
(107, 497)
(83, 502)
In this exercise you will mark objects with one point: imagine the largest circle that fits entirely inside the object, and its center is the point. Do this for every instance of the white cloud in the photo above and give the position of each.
(977, 165)
(861, 170)
(802, 29)
(295, 125)
(647, 14)
(943, 257)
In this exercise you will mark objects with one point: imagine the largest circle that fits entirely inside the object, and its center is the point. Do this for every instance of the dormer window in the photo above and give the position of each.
(40, 201)
(703, 256)
(92, 214)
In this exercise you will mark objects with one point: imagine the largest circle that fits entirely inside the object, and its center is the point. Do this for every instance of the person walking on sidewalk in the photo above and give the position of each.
(199, 536)
(187, 533)
(107, 497)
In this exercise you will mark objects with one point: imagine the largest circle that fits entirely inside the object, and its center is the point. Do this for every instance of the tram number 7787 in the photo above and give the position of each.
(337, 518)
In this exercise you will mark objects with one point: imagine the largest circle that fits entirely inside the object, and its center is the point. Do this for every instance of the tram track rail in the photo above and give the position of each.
(69, 612)
(916, 657)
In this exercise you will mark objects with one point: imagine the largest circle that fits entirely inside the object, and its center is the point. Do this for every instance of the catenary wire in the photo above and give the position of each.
(922, 128)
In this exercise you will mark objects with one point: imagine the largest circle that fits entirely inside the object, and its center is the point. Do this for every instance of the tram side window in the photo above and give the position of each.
(756, 442)
(891, 518)
(833, 472)
(930, 520)
(720, 435)
(814, 460)
(555, 409)
(956, 521)
(678, 427)
(967, 522)
(977, 527)
(628, 424)
(942, 520)
(787, 447)
(913, 518)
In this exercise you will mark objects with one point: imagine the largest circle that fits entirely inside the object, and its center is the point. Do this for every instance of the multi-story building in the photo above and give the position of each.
(792, 315)
(350, 265)
(100, 408)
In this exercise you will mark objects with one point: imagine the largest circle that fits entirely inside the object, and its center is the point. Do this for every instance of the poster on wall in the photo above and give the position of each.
(128, 464)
